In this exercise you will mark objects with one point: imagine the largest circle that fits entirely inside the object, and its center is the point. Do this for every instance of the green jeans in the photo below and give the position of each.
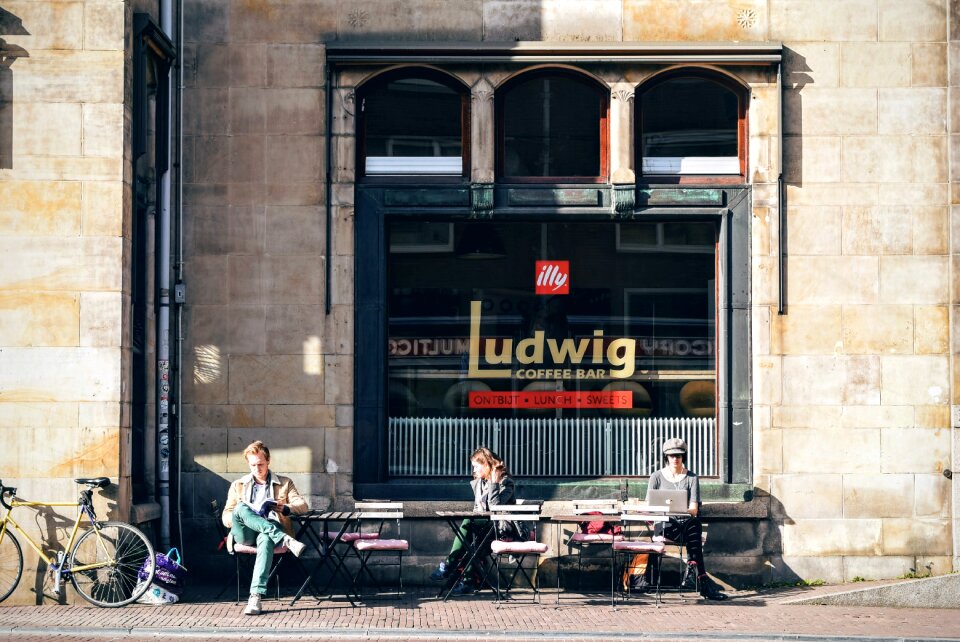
(470, 530)
(251, 529)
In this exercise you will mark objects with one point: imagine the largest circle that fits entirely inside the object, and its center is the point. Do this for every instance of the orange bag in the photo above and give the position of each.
(635, 571)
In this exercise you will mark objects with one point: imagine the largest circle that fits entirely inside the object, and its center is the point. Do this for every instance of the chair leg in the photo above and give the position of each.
(400, 575)
(659, 559)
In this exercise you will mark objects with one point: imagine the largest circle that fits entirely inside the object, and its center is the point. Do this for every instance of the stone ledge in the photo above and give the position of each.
(941, 592)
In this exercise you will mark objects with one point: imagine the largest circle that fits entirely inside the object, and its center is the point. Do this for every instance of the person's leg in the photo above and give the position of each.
(478, 529)
(458, 544)
(690, 532)
(251, 529)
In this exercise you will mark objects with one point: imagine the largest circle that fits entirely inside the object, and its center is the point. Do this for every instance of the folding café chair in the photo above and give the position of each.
(633, 516)
(378, 513)
(243, 555)
(582, 540)
(344, 546)
(518, 550)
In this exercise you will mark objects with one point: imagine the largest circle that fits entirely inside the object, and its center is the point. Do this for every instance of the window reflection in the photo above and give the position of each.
(552, 127)
(689, 125)
(412, 125)
(639, 314)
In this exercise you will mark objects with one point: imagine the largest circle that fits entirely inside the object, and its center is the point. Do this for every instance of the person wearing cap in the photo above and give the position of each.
(689, 530)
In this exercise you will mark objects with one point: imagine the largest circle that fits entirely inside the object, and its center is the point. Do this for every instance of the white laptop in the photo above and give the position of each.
(676, 501)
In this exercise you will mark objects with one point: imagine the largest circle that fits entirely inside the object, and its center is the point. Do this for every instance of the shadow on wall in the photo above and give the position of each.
(744, 543)
(50, 528)
(10, 25)
(795, 78)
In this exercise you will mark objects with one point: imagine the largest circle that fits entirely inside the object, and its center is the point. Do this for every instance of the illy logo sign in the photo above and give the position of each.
(553, 277)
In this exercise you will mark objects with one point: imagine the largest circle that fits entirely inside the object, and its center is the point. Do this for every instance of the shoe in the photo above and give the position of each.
(639, 584)
(689, 582)
(253, 605)
(442, 572)
(294, 546)
(710, 591)
(230, 543)
(461, 588)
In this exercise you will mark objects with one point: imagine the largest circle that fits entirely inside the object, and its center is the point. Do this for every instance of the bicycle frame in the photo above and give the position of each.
(81, 511)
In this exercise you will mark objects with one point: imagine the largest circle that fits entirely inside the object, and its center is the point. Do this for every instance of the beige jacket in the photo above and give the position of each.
(281, 489)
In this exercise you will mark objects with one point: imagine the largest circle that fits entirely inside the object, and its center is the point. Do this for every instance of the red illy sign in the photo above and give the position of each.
(553, 277)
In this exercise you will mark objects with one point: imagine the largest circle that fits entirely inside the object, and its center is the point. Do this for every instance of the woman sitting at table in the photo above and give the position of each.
(689, 530)
(492, 486)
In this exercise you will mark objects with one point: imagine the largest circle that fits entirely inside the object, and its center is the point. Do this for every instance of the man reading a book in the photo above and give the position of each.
(257, 513)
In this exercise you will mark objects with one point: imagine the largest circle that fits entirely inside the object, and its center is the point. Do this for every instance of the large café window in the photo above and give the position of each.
(573, 348)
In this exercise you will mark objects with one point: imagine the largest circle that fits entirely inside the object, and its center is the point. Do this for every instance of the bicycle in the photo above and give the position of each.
(103, 563)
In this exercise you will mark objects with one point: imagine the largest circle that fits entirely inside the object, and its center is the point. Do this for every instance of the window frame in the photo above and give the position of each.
(376, 203)
(603, 92)
(406, 72)
(742, 95)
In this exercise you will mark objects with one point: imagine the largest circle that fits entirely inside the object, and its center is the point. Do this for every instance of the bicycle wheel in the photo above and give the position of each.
(116, 552)
(11, 564)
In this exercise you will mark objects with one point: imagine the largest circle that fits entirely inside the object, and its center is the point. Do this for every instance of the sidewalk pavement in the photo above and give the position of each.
(418, 615)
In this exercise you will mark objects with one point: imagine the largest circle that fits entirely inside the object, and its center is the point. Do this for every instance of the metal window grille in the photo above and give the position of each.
(548, 447)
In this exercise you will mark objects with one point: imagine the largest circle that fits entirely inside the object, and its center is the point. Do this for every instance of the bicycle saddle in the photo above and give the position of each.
(94, 482)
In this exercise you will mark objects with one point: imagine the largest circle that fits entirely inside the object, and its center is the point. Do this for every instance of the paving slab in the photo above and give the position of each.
(418, 615)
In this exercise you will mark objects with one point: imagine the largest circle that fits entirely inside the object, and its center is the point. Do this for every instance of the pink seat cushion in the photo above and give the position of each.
(596, 538)
(500, 548)
(639, 547)
(381, 545)
(252, 550)
(352, 537)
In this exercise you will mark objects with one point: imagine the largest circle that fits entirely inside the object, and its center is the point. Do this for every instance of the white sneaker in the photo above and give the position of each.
(253, 605)
(230, 542)
(294, 546)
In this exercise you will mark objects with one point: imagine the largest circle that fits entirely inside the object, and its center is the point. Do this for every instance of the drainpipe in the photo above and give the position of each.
(163, 309)
(179, 287)
(328, 156)
(781, 202)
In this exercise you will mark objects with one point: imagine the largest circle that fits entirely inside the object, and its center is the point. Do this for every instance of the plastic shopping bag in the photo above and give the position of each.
(170, 576)
(157, 595)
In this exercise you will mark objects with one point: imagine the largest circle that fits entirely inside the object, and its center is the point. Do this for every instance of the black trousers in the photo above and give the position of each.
(689, 531)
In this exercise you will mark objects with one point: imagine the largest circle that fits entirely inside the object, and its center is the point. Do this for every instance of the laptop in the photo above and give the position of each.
(676, 501)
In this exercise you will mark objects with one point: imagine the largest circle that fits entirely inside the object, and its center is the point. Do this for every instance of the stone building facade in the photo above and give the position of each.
(837, 410)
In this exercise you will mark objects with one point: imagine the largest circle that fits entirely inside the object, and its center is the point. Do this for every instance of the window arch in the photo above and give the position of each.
(692, 121)
(413, 121)
(552, 125)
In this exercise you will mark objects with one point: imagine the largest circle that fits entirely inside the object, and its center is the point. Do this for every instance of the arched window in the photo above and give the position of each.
(552, 125)
(692, 122)
(413, 122)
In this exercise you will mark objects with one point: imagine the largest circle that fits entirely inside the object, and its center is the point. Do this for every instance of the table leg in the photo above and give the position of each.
(470, 553)
(559, 560)
(325, 550)
(307, 533)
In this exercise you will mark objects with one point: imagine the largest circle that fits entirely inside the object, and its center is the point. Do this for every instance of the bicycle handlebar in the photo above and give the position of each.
(4, 491)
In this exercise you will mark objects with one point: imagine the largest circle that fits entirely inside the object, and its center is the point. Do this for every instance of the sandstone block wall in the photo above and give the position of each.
(64, 236)
(852, 388)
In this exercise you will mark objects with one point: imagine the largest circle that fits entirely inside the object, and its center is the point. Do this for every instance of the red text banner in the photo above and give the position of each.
(616, 399)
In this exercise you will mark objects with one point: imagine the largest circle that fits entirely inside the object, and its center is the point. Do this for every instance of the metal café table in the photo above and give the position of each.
(314, 531)
(580, 518)
(471, 549)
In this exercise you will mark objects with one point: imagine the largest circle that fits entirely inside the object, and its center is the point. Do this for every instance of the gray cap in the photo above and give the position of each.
(675, 446)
